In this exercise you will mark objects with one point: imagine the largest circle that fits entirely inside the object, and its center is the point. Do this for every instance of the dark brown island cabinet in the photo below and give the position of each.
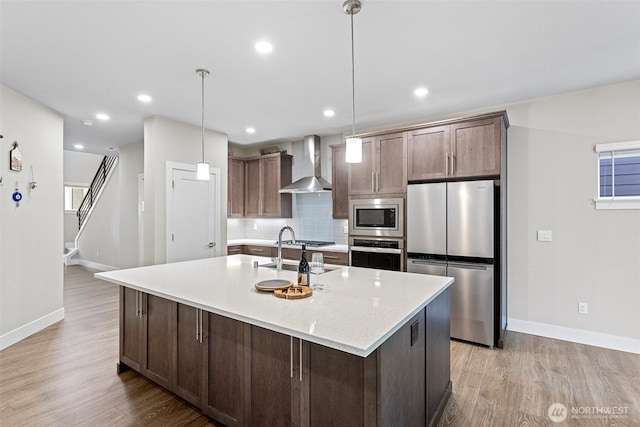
(244, 375)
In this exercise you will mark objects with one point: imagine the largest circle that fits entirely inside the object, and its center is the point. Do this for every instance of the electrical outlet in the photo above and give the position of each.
(98, 254)
(545, 236)
(345, 229)
(583, 308)
(255, 226)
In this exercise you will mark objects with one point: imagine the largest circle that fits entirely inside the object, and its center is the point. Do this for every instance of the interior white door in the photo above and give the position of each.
(193, 217)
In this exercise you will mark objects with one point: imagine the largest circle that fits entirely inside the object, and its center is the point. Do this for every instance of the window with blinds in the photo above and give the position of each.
(618, 175)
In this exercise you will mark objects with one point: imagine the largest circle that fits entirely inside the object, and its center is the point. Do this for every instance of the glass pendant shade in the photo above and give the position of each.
(354, 150)
(202, 171)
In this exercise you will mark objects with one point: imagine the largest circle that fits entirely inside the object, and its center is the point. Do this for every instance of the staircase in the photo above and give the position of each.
(90, 199)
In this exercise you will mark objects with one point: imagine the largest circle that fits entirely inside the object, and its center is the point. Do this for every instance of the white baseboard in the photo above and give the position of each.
(580, 336)
(94, 265)
(30, 328)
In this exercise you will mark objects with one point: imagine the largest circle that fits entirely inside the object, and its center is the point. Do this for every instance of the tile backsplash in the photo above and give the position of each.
(311, 220)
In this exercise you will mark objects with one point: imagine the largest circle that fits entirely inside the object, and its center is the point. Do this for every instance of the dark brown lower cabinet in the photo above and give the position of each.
(191, 354)
(157, 350)
(272, 378)
(130, 329)
(224, 370)
(245, 375)
(145, 344)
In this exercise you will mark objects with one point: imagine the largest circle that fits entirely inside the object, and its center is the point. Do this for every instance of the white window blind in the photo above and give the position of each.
(618, 175)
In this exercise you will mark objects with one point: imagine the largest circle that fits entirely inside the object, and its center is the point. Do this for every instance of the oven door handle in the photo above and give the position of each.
(376, 250)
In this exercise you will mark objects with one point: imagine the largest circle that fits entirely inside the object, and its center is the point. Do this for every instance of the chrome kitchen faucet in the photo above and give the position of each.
(293, 238)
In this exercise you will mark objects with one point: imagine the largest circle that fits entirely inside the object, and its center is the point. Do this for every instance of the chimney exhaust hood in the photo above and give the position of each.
(312, 181)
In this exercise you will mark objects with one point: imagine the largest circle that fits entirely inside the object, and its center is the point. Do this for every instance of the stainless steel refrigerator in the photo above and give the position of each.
(450, 232)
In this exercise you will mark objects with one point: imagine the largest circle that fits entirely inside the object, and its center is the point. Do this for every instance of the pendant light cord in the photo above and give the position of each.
(353, 85)
(202, 75)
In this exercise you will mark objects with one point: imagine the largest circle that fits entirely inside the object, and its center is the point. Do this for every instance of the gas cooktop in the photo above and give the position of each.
(308, 243)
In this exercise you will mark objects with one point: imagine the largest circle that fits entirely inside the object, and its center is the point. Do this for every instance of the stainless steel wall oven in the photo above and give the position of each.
(384, 254)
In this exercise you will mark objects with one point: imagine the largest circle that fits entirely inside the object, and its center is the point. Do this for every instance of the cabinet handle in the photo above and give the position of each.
(300, 356)
(446, 164)
(291, 356)
(453, 163)
(197, 331)
(331, 257)
(201, 334)
(257, 250)
(373, 182)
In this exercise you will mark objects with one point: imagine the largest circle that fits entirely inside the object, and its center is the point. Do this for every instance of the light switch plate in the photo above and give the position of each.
(545, 236)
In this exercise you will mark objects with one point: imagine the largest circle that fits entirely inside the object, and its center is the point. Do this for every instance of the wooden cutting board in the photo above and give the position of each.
(294, 292)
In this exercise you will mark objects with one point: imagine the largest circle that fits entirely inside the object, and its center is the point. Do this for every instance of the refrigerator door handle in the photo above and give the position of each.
(470, 266)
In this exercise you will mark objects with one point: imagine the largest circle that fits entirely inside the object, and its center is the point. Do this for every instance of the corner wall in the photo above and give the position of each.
(170, 140)
(31, 235)
(595, 254)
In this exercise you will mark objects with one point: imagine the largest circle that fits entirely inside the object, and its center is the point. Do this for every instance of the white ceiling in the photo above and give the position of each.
(84, 57)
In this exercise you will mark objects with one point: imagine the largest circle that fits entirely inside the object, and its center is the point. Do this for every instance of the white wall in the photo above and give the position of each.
(110, 237)
(79, 169)
(99, 240)
(171, 140)
(31, 235)
(131, 165)
(595, 255)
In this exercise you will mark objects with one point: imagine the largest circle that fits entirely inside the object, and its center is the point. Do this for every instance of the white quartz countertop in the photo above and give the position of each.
(274, 244)
(356, 312)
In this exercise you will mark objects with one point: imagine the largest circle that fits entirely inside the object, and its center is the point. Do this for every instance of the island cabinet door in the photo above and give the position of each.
(159, 331)
(131, 324)
(438, 356)
(272, 381)
(223, 373)
(190, 351)
(338, 388)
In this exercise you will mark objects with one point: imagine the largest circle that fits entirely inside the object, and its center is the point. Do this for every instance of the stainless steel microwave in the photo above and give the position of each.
(376, 217)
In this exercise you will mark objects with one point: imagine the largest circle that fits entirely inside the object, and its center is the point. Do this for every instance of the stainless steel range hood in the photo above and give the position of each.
(312, 181)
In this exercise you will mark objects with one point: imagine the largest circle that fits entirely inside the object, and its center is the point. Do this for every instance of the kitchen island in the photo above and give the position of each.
(372, 348)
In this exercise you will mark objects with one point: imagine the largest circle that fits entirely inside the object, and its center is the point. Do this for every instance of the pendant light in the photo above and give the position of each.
(353, 152)
(202, 171)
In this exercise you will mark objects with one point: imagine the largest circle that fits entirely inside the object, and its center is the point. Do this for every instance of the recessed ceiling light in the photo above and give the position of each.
(78, 147)
(421, 92)
(144, 98)
(264, 46)
(329, 113)
(251, 130)
(110, 148)
(87, 122)
(102, 116)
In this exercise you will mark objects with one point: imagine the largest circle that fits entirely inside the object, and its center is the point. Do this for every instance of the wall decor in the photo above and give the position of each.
(32, 182)
(15, 158)
(17, 196)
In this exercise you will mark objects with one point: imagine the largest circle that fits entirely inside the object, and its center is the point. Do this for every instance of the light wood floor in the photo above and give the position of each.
(66, 375)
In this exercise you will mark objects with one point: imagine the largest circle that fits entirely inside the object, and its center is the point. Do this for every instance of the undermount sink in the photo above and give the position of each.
(272, 265)
(290, 267)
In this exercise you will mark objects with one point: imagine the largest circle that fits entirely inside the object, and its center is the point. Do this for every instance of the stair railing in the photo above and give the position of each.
(94, 188)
